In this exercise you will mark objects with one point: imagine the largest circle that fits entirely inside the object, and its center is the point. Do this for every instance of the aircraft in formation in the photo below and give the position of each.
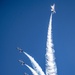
(25, 74)
(22, 62)
(19, 49)
(53, 8)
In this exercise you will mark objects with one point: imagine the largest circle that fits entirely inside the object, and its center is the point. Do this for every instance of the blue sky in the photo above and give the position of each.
(24, 23)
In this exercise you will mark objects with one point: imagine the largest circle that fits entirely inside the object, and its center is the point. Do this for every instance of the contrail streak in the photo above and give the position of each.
(51, 68)
(32, 70)
(35, 65)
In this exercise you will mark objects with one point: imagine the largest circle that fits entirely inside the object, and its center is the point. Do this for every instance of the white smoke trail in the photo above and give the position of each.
(51, 68)
(35, 65)
(32, 70)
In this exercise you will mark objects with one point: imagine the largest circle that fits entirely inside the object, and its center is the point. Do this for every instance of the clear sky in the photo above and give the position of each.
(24, 23)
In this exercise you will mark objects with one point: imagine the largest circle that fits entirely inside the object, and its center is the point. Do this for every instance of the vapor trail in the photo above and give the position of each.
(35, 65)
(32, 70)
(51, 68)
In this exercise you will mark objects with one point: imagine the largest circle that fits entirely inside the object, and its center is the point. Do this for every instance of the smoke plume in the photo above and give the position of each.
(51, 68)
(32, 70)
(35, 65)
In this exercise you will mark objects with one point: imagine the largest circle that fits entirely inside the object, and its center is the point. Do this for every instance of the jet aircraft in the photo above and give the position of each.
(22, 62)
(53, 8)
(20, 50)
(25, 74)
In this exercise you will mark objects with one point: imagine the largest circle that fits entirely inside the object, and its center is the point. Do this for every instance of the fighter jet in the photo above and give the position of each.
(53, 8)
(20, 50)
(22, 62)
(25, 74)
